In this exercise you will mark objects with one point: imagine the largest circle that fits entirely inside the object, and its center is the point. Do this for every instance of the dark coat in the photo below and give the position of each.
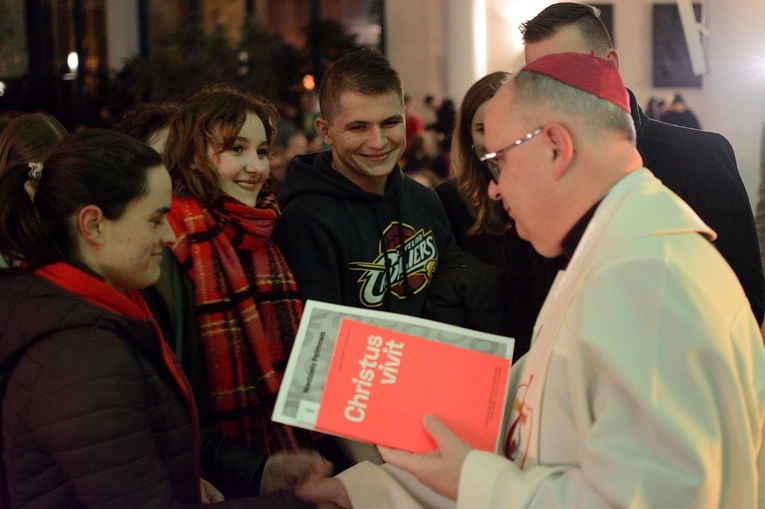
(233, 469)
(90, 415)
(700, 167)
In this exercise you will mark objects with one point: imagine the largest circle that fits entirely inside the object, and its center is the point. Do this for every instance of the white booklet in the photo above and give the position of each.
(315, 361)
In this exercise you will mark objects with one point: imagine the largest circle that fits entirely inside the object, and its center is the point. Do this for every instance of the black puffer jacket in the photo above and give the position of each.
(90, 415)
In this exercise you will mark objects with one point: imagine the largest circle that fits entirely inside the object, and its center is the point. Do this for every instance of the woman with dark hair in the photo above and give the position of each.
(480, 224)
(96, 411)
(149, 123)
(230, 298)
(28, 138)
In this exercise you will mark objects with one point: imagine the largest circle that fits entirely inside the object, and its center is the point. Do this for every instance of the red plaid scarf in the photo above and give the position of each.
(131, 305)
(248, 311)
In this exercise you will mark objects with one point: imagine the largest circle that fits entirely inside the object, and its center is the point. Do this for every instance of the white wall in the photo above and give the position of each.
(733, 97)
(416, 45)
(731, 100)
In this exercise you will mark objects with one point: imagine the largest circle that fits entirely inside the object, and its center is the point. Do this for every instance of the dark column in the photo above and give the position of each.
(143, 27)
(34, 88)
(380, 6)
(80, 99)
(314, 13)
(194, 17)
(249, 9)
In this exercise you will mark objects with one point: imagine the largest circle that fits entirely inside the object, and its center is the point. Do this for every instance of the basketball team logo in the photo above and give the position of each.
(398, 270)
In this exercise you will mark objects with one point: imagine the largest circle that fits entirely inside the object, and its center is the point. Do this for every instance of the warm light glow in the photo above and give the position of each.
(73, 61)
(479, 35)
(308, 82)
(758, 60)
(513, 13)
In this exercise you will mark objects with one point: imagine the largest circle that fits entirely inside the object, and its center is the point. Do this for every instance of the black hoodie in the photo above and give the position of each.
(348, 246)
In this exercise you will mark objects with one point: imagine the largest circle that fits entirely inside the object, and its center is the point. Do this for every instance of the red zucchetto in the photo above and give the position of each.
(588, 73)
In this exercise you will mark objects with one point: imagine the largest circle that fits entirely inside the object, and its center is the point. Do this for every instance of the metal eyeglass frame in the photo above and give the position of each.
(490, 160)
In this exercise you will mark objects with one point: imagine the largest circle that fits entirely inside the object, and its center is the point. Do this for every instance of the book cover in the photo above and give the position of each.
(382, 382)
(372, 376)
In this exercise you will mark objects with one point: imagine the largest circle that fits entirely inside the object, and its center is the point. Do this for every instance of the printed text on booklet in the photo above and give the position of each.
(382, 382)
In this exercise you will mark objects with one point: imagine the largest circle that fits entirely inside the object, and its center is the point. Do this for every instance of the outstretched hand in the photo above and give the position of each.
(439, 469)
(327, 493)
(287, 469)
(210, 494)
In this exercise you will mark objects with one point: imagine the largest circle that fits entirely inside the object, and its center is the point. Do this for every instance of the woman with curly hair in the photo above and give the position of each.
(227, 297)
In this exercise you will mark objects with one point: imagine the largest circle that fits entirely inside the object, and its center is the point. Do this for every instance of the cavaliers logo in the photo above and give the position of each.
(395, 269)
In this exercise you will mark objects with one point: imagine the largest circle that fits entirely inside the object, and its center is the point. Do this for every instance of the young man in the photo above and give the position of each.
(353, 229)
(645, 385)
(699, 166)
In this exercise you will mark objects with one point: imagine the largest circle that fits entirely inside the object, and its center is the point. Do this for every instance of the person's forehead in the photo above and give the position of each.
(357, 106)
(480, 113)
(252, 123)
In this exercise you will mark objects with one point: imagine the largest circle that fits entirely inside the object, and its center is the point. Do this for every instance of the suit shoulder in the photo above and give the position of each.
(686, 141)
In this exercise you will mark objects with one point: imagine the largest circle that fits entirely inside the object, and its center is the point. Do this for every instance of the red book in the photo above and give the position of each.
(381, 383)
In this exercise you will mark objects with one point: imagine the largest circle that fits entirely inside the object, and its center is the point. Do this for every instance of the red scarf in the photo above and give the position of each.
(247, 308)
(131, 305)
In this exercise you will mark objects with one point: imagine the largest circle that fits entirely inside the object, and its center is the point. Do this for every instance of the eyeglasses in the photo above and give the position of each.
(490, 159)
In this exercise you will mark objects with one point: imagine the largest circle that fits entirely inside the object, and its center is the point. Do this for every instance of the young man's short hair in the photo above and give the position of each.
(365, 72)
(586, 18)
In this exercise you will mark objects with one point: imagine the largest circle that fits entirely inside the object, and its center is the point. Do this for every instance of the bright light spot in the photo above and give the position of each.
(511, 15)
(308, 82)
(479, 39)
(2, 88)
(73, 61)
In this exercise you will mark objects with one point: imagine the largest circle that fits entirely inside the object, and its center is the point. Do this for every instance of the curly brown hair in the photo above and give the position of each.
(214, 117)
(28, 138)
(145, 120)
(366, 72)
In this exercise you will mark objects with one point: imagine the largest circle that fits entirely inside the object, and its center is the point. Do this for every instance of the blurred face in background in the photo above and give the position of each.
(477, 129)
(279, 158)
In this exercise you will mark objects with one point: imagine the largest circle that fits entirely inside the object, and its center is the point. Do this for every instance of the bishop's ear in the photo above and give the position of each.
(89, 223)
(562, 148)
